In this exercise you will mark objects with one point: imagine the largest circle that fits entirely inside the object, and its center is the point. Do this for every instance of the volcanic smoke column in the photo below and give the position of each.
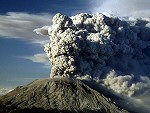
(90, 46)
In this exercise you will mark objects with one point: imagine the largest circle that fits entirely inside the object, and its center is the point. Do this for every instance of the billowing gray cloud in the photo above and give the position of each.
(125, 84)
(106, 50)
(21, 26)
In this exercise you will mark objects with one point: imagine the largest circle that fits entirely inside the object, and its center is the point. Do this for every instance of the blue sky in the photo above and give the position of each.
(22, 58)
(47, 6)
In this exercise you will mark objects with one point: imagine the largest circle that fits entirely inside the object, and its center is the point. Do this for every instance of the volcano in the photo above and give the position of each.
(57, 95)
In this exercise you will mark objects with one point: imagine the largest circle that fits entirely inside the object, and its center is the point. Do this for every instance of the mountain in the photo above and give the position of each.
(57, 95)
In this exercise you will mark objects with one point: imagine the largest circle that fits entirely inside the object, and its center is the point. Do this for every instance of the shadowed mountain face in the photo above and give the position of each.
(55, 95)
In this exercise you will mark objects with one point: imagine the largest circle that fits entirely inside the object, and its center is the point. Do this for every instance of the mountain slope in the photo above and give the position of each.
(57, 94)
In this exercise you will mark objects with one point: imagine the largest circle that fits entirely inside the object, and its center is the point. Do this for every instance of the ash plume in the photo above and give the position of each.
(107, 50)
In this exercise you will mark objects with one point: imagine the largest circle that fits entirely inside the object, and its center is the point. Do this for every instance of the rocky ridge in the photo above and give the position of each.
(57, 95)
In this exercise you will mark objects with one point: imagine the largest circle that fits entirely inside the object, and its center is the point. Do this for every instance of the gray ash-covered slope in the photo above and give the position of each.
(55, 95)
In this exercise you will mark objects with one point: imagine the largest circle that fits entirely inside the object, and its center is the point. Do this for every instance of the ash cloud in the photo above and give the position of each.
(125, 84)
(107, 50)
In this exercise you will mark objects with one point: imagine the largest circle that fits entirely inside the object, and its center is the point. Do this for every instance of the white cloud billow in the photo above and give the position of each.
(42, 31)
